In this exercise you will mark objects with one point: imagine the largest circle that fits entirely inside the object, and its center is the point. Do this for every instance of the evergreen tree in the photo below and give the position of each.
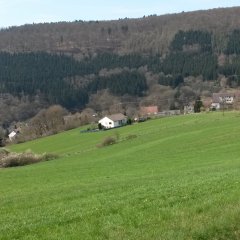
(197, 105)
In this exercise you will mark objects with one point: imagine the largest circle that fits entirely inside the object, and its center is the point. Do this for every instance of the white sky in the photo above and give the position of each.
(19, 12)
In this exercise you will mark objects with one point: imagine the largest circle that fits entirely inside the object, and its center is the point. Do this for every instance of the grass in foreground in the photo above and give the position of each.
(178, 179)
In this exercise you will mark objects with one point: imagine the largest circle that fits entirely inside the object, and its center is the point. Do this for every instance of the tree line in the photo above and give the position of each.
(49, 75)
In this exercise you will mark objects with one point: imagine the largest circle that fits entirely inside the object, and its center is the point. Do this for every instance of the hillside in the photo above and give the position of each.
(148, 34)
(118, 66)
(177, 179)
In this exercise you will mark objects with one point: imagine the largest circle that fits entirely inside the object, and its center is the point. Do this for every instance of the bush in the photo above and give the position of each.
(117, 135)
(100, 126)
(3, 153)
(129, 121)
(9, 159)
(107, 141)
(49, 156)
(131, 136)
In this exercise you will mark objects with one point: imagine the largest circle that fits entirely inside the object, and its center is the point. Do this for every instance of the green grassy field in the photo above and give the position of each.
(178, 179)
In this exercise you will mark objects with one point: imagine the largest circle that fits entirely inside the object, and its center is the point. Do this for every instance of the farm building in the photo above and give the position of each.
(188, 109)
(12, 135)
(150, 110)
(220, 99)
(112, 121)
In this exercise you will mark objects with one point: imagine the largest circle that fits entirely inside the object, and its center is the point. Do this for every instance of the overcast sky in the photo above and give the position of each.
(19, 12)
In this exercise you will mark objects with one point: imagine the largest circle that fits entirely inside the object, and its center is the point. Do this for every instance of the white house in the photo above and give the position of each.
(220, 99)
(215, 105)
(12, 135)
(112, 121)
(188, 109)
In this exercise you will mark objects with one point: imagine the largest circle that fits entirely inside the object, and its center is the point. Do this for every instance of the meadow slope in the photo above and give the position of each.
(179, 178)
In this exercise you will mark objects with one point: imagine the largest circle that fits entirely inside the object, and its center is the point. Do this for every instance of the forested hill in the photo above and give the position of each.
(151, 34)
(162, 60)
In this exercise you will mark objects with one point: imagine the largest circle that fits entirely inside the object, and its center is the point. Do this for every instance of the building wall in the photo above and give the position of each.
(108, 123)
(120, 123)
(151, 110)
(215, 105)
(12, 135)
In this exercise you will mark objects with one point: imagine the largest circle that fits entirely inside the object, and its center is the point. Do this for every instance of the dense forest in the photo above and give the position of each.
(163, 60)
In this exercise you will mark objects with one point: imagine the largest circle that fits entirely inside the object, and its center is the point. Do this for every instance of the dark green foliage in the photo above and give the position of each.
(2, 144)
(45, 74)
(232, 70)
(155, 63)
(191, 55)
(201, 38)
(42, 74)
(231, 67)
(53, 77)
(100, 126)
(197, 105)
(129, 121)
(132, 83)
(131, 136)
(107, 141)
(173, 107)
(111, 60)
(170, 80)
(190, 64)
(233, 46)
(234, 81)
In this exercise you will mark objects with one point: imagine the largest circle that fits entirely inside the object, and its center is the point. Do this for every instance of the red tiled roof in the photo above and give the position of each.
(149, 110)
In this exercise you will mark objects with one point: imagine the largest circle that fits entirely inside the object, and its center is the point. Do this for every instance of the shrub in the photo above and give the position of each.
(20, 159)
(131, 136)
(3, 153)
(117, 135)
(107, 141)
(129, 121)
(100, 126)
(49, 156)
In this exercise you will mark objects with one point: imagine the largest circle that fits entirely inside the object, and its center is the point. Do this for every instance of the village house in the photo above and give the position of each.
(113, 121)
(220, 100)
(169, 113)
(12, 135)
(188, 109)
(150, 110)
